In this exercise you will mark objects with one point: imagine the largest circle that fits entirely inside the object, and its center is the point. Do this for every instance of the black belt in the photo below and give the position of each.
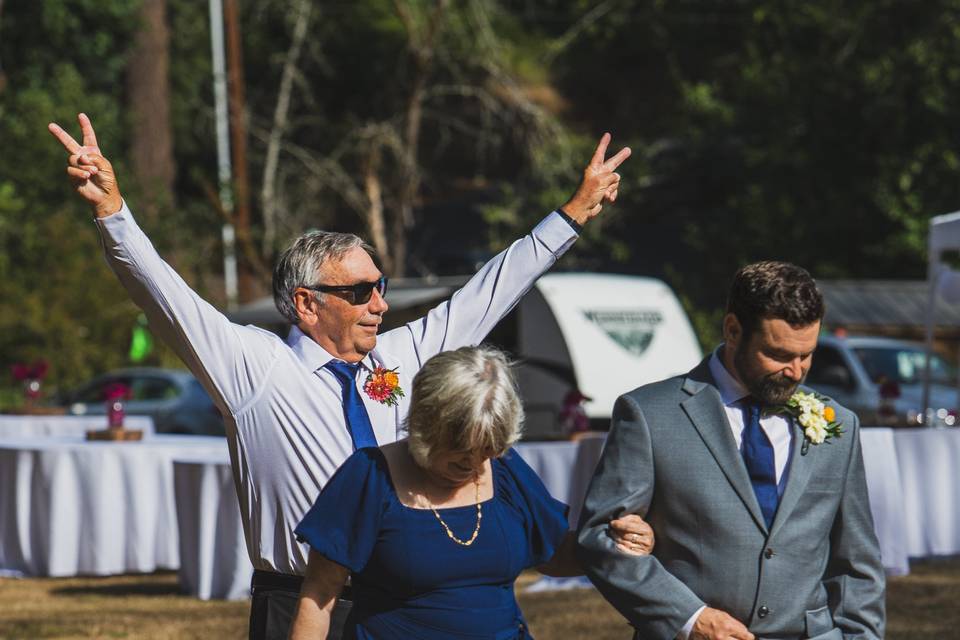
(273, 581)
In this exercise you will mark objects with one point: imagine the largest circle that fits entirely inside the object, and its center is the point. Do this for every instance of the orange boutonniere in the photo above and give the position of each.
(383, 385)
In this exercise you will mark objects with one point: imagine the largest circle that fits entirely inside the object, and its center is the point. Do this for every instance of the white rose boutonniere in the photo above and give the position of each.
(816, 419)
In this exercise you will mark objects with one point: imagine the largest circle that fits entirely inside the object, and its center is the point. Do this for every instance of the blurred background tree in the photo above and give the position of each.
(819, 132)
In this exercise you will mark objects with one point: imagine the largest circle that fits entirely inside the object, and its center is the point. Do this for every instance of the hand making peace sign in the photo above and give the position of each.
(600, 183)
(90, 173)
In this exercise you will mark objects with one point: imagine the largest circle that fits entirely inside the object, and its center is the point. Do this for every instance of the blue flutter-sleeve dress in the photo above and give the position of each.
(409, 579)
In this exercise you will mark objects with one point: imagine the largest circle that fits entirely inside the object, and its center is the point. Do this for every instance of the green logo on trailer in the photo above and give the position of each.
(632, 329)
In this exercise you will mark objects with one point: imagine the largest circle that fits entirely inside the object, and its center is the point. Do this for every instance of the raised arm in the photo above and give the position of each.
(231, 361)
(494, 291)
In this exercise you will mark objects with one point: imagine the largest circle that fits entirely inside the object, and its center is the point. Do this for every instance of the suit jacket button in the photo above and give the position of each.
(763, 612)
(768, 553)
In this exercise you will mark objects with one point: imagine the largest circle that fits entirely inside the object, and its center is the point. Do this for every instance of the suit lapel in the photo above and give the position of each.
(705, 410)
(798, 476)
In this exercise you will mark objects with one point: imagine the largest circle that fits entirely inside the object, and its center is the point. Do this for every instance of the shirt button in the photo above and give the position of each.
(768, 553)
(763, 612)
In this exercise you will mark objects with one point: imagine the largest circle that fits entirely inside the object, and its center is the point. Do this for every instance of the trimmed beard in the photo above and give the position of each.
(770, 390)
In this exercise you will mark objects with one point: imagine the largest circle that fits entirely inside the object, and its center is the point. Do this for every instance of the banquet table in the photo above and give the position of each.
(886, 497)
(44, 426)
(70, 507)
(213, 555)
(929, 465)
(566, 468)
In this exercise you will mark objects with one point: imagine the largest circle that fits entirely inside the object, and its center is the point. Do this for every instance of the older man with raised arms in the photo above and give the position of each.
(295, 409)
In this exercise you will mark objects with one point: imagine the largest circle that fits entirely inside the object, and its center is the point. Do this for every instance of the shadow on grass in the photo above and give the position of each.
(134, 589)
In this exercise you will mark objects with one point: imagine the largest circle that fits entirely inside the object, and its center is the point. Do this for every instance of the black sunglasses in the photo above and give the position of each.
(353, 293)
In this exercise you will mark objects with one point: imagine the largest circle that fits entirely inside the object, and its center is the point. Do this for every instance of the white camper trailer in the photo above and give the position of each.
(605, 334)
(601, 334)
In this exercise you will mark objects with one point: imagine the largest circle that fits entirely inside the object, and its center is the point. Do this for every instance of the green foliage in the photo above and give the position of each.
(820, 132)
(59, 303)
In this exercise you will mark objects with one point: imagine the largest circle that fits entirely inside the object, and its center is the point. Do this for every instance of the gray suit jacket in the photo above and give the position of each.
(671, 457)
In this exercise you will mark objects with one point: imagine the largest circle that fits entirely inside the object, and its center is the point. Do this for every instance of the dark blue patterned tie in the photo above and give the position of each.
(358, 422)
(758, 456)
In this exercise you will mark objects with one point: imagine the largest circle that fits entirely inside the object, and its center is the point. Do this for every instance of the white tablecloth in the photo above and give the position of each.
(929, 461)
(70, 507)
(213, 556)
(54, 426)
(911, 476)
(566, 469)
(886, 497)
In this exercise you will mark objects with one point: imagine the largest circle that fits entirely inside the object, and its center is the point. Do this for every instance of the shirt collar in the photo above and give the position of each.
(731, 390)
(313, 355)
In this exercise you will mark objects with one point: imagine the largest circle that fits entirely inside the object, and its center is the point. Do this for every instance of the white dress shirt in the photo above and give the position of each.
(283, 411)
(776, 427)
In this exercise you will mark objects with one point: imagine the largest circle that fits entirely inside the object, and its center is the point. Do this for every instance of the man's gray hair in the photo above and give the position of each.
(302, 264)
(464, 400)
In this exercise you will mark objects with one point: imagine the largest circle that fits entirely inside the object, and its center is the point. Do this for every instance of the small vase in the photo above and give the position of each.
(115, 413)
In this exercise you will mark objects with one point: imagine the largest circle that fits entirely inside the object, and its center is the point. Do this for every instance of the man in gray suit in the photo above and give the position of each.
(761, 530)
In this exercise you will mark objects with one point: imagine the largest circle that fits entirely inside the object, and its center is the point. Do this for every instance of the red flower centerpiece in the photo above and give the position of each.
(114, 395)
(31, 375)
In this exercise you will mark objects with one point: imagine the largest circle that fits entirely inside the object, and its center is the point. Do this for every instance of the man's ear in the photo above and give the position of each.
(732, 330)
(306, 305)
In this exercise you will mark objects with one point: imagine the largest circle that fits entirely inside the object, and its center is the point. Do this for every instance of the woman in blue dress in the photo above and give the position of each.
(434, 529)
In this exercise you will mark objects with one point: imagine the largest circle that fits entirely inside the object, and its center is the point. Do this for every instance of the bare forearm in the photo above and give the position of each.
(321, 586)
(311, 622)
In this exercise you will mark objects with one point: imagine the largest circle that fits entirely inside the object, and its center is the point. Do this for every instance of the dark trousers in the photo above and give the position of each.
(274, 604)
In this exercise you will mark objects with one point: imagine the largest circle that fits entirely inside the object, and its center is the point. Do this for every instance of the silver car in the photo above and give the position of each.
(881, 379)
(173, 398)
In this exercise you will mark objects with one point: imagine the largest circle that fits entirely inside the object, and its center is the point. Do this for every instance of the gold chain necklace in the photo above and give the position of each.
(476, 530)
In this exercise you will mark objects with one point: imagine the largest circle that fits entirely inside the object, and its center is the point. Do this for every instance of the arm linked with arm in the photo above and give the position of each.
(639, 587)
(855, 580)
(631, 534)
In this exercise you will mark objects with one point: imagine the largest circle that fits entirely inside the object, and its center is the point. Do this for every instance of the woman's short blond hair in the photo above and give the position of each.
(464, 400)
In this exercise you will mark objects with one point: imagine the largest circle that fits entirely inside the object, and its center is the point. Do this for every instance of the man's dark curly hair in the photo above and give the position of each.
(773, 289)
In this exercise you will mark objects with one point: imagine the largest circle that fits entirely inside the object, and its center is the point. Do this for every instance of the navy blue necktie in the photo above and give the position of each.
(758, 456)
(358, 422)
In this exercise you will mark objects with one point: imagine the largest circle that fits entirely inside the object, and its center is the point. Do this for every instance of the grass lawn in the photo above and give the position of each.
(921, 606)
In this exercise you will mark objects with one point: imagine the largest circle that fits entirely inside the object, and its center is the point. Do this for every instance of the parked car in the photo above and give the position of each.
(173, 398)
(881, 379)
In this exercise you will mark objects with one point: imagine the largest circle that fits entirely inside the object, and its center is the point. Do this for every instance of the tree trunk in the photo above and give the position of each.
(376, 226)
(238, 144)
(151, 145)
